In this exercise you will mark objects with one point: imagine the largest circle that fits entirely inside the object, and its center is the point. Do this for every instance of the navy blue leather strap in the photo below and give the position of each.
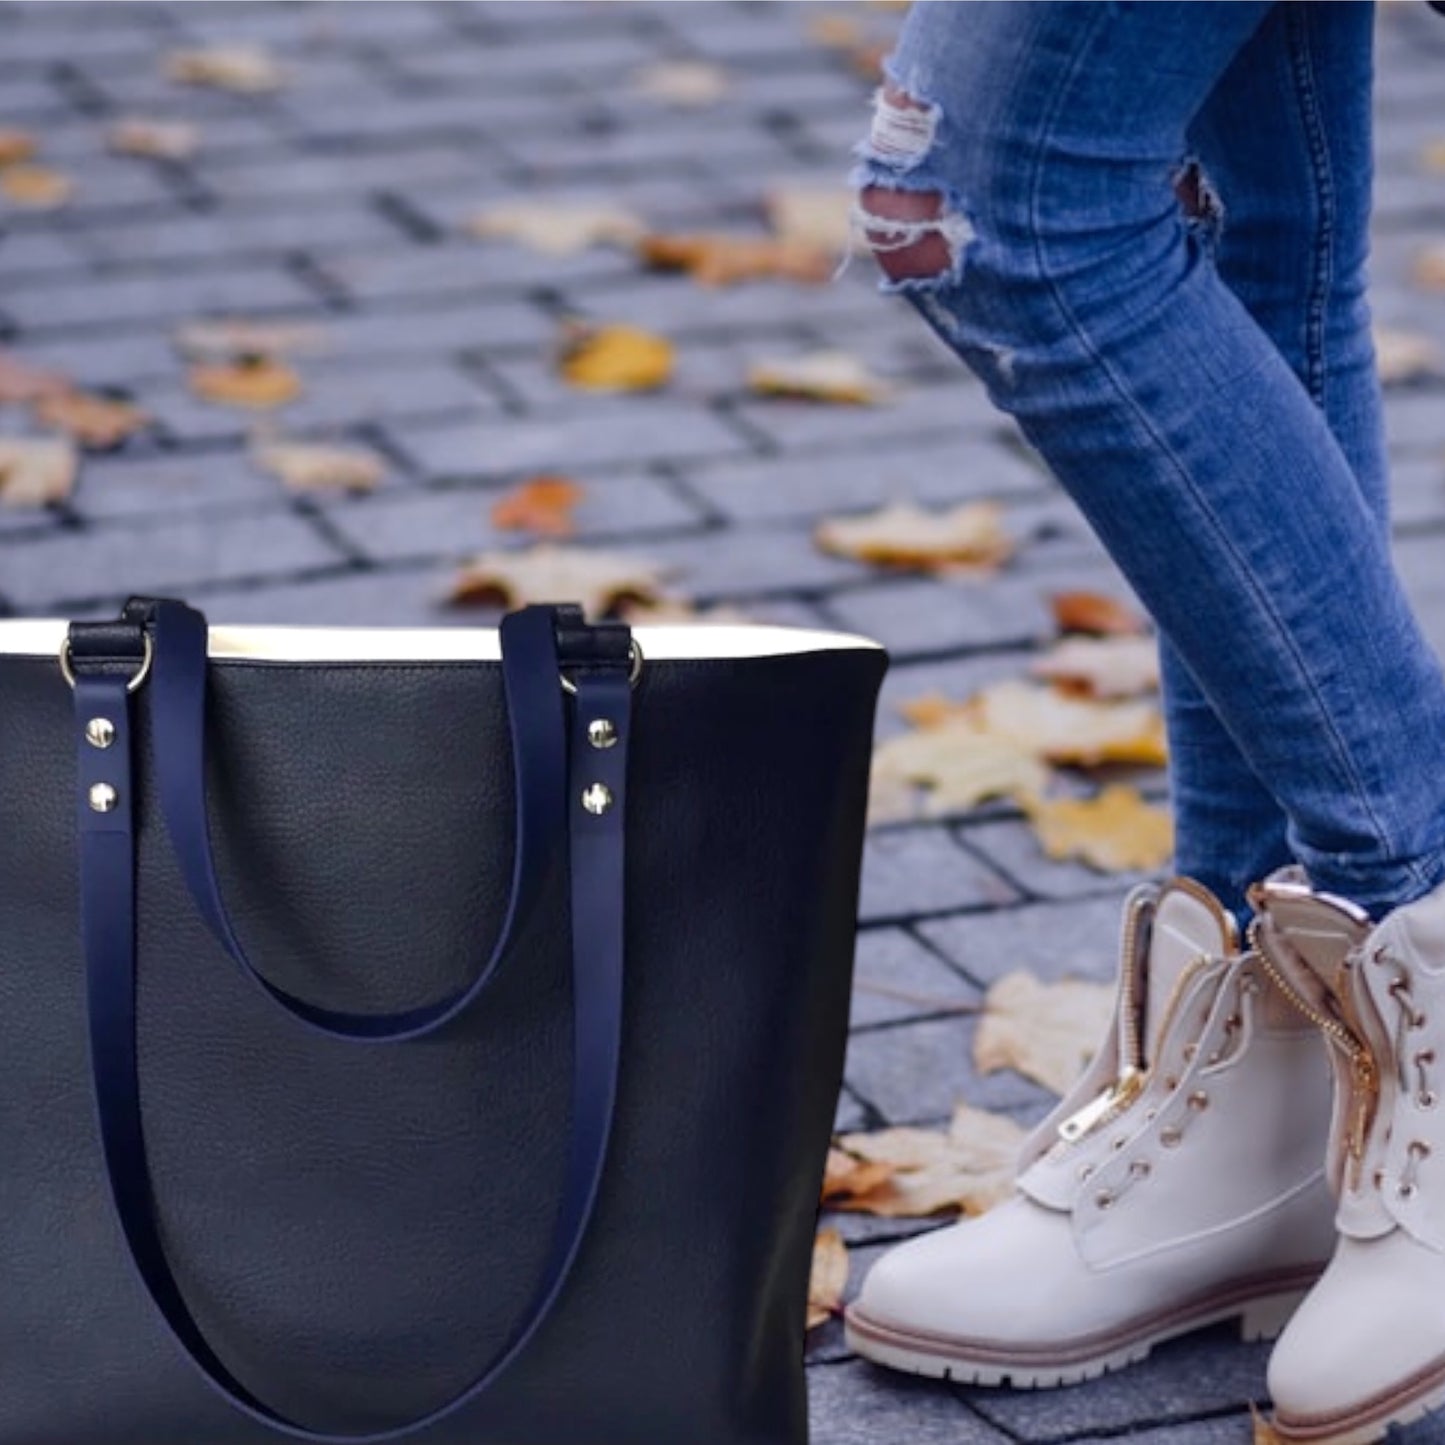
(530, 668)
(584, 801)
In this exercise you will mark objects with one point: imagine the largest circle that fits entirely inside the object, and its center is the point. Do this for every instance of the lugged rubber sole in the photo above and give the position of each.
(1261, 1306)
(1412, 1399)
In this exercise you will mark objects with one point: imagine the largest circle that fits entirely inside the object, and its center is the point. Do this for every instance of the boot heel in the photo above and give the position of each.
(1265, 1318)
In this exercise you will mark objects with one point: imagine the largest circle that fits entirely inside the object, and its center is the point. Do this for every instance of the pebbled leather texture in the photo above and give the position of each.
(356, 1228)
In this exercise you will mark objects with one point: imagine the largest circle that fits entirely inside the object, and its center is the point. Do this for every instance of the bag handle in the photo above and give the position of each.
(552, 779)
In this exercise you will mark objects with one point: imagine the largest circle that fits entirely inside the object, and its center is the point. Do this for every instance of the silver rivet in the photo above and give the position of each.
(103, 798)
(100, 732)
(601, 732)
(1170, 1137)
(597, 798)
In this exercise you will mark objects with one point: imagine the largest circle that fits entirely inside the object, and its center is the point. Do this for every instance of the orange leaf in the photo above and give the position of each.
(829, 1277)
(543, 504)
(16, 146)
(96, 422)
(37, 187)
(1095, 612)
(719, 260)
(258, 383)
(21, 382)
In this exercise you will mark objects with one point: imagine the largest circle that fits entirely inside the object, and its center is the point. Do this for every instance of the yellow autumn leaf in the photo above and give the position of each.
(1078, 730)
(318, 467)
(1262, 1428)
(955, 765)
(603, 582)
(1101, 667)
(683, 83)
(970, 1167)
(36, 471)
(1047, 1032)
(1117, 831)
(615, 358)
(556, 228)
(258, 383)
(903, 534)
(716, 259)
(38, 188)
(833, 376)
(244, 69)
(829, 1277)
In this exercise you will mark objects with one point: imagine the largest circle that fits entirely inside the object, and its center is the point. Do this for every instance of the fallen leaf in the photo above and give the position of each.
(557, 228)
(714, 259)
(237, 339)
(835, 376)
(1405, 355)
(1047, 1032)
(96, 422)
(615, 358)
(1097, 613)
(845, 35)
(260, 383)
(1115, 832)
(1434, 155)
(35, 471)
(37, 187)
(1102, 667)
(673, 612)
(168, 140)
(245, 69)
(1077, 730)
(956, 765)
(21, 382)
(541, 504)
(602, 582)
(847, 1176)
(816, 216)
(903, 534)
(316, 467)
(16, 146)
(1430, 268)
(970, 1168)
(1263, 1431)
(682, 82)
(829, 1277)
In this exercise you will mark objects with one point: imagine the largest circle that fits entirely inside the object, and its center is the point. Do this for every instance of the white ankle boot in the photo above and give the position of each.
(1367, 1348)
(1179, 1183)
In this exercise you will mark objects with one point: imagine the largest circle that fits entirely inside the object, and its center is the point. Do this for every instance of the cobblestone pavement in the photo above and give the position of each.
(338, 200)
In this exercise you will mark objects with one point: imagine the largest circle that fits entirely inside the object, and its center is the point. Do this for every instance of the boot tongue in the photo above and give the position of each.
(1189, 923)
(1308, 934)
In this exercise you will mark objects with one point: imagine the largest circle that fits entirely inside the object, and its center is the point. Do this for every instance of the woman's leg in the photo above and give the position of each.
(1030, 151)
(1288, 225)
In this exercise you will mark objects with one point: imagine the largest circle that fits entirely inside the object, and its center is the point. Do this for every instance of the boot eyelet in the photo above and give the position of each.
(1427, 1100)
(1104, 1199)
(1150, 1115)
(1085, 1171)
(1199, 1101)
(1171, 1083)
(1189, 1052)
(1171, 1137)
(1405, 1191)
(1117, 1144)
(1141, 1168)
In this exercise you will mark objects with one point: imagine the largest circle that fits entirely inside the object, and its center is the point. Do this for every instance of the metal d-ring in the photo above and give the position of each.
(634, 672)
(134, 685)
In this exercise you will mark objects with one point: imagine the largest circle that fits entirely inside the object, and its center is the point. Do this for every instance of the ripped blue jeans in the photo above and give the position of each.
(1144, 226)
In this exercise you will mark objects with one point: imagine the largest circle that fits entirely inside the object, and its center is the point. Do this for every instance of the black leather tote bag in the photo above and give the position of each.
(425, 1035)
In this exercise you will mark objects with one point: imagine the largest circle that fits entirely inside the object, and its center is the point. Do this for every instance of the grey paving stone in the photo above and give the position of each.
(755, 562)
(858, 1404)
(1012, 848)
(917, 1073)
(166, 487)
(455, 523)
(30, 254)
(1074, 939)
(1234, 1428)
(1413, 420)
(895, 978)
(441, 327)
(161, 557)
(631, 429)
(394, 597)
(108, 360)
(909, 871)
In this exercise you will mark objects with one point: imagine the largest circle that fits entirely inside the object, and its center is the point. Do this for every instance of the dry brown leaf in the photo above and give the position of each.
(835, 376)
(1096, 613)
(817, 216)
(829, 1278)
(21, 382)
(956, 765)
(1115, 832)
(35, 471)
(682, 82)
(1047, 1032)
(557, 228)
(1405, 355)
(39, 188)
(615, 358)
(245, 69)
(260, 383)
(541, 504)
(845, 1176)
(970, 1168)
(602, 582)
(96, 422)
(167, 140)
(1430, 268)
(1102, 667)
(237, 339)
(904, 534)
(714, 259)
(316, 467)
(16, 146)
(1262, 1428)
(1078, 730)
